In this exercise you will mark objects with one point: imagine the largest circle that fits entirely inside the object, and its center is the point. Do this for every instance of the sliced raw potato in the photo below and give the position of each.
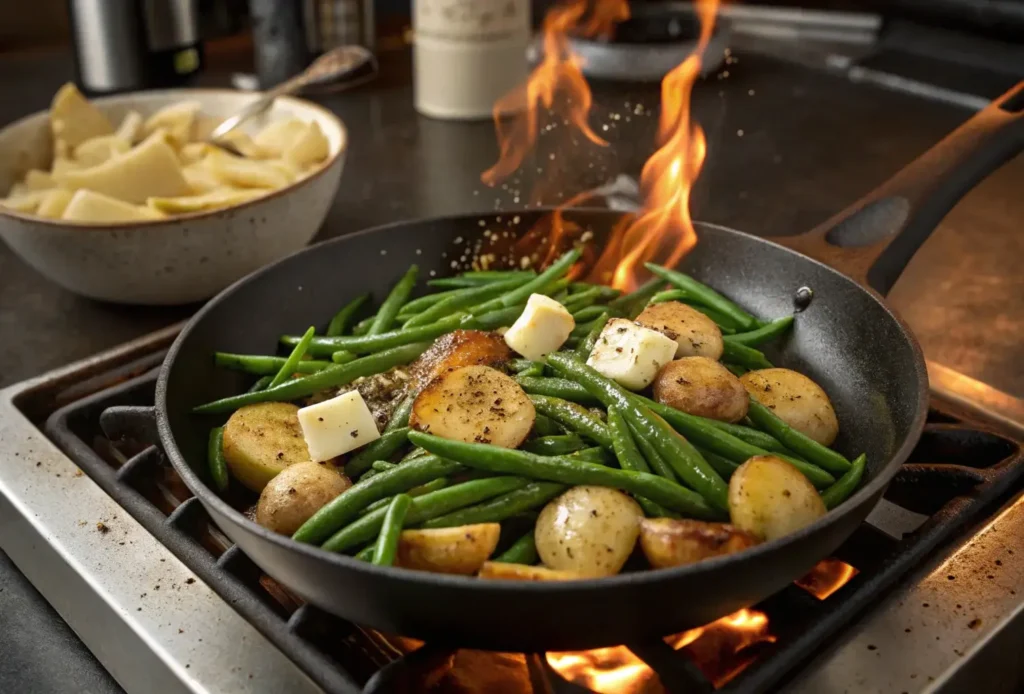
(542, 327)
(150, 169)
(74, 120)
(90, 206)
(63, 165)
(476, 404)
(703, 387)
(201, 179)
(277, 138)
(203, 126)
(795, 399)
(668, 542)
(308, 149)
(296, 493)
(590, 531)
(459, 550)
(221, 197)
(194, 152)
(336, 426)
(630, 354)
(769, 498)
(245, 173)
(176, 119)
(23, 200)
(130, 129)
(457, 349)
(261, 440)
(521, 572)
(245, 145)
(39, 180)
(97, 150)
(55, 202)
(695, 334)
(19, 189)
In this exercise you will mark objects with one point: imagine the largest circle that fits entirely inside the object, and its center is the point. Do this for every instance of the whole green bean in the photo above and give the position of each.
(556, 388)
(493, 320)
(555, 445)
(630, 458)
(263, 365)
(804, 446)
(288, 367)
(536, 285)
(347, 505)
(389, 443)
(631, 304)
(845, 485)
(518, 364)
(391, 530)
(431, 486)
(585, 347)
(545, 426)
(400, 415)
(724, 466)
(364, 344)
(368, 474)
(499, 508)
(751, 436)
(466, 280)
(215, 457)
(342, 357)
(399, 294)
(423, 508)
(736, 369)
(567, 470)
(471, 297)
(331, 377)
(763, 334)
(537, 369)
(382, 466)
(589, 313)
(576, 302)
(657, 463)
(414, 453)
(606, 293)
(366, 553)
(573, 417)
(705, 295)
(261, 384)
(420, 304)
(751, 358)
(342, 318)
(581, 330)
(496, 275)
(595, 454)
(726, 324)
(363, 326)
(522, 551)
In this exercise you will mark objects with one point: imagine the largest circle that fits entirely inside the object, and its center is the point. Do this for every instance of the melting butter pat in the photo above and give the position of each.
(630, 354)
(336, 426)
(541, 329)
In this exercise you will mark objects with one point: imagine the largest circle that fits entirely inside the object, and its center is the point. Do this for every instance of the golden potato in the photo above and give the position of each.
(795, 399)
(769, 498)
(74, 120)
(56, 201)
(261, 440)
(695, 334)
(459, 550)
(521, 572)
(670, 542)
(701, 386)
(296, 493)
(88, 206)
(474, 404)
(590, 531)
(457, 349)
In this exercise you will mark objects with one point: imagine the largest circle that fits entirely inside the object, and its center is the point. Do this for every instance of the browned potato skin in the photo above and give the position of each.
(461, 550)
(795, 399)
(457, 349)
(298, 491)
(521, 572)
(261, 440)
(703, 387)
(769, 498)
(668, 542)
(695, 334)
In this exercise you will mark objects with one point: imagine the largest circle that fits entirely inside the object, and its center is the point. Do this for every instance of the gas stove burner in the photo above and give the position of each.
(655, 39)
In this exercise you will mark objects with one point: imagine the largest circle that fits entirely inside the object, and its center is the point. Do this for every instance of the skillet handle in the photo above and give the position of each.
(874, 239)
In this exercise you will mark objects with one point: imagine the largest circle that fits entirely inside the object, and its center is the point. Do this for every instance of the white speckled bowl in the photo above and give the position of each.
(184, 258)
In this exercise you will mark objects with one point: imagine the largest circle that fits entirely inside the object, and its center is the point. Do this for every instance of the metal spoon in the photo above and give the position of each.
(332, 65)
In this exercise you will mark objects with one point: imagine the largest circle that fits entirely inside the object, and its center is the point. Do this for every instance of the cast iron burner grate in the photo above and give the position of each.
(961, 470)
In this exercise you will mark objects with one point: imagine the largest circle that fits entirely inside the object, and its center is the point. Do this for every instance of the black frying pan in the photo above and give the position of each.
(847, 339)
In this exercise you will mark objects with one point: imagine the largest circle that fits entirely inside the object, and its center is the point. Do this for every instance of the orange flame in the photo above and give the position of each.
(828, 576)
(559, 74)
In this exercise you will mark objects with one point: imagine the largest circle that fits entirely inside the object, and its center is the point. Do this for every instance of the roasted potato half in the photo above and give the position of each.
(590, 531)
(795, 399)
(474, 404)
(457, 349)
(769, 498)
(460, 550)
(695, 334)
(296, 493)
(261, 440)
(670, 542)
(521, 572)
(703, 387)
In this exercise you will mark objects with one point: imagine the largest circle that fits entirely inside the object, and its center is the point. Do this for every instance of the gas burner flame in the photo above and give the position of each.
(828, 576)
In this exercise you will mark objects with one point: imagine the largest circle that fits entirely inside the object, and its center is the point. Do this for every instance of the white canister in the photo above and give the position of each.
(467, 54)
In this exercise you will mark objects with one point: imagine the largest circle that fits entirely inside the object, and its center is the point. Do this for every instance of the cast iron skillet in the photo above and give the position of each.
(846, 339)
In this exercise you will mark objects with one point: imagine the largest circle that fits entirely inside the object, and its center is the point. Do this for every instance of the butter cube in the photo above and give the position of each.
(542, 328)
(337, 426)
(630, 354)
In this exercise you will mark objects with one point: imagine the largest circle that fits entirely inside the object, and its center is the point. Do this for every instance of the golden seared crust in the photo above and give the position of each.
(795, 399)
(670, 542)
(703, 387)
(695, 334)
(457, 349)
(460, 550)
(521, 572)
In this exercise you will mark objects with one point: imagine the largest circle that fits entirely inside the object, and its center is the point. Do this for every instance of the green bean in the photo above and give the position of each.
(723, 465)
(263, 365)
(763, 334)
(261, 384)
(751, 436)
(575, 302)
(536, 370)
(382, 466)
(556, 388)
(519, 365)
(495, 275)
(588, 314)
(382, 449)
(705, 295)
(364, 344)
(215, 457)
(400, 415)
(331, 377)
(366, 553)
(389, 309)
(423, 508)
(555, 445)
(631, 304)
(471, 297)
(804, 446)
(585, 347)
(342, 318)
(431, 486)
(422, 303)
(651, 454)
(391, 530)
(545, 426)
(288, 367)
(522, 551)
(368, 474)
(414, 453)
(466, 280)
(595, 454)
(845, 485)
(630, 458)
(736, 369)
(606, 293)
(567, 470)
(342, 357)
(574, 417)
(531, 496)
(363, 326)
(726, 324)
(536, 285)
(496, 319)
(735, 353)
(347, 505)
